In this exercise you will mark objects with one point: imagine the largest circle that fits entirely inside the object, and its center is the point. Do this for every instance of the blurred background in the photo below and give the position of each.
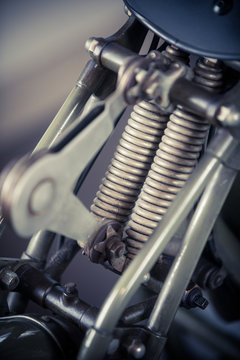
(41, 55)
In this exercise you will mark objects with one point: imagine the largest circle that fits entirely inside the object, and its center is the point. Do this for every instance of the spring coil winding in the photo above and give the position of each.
(133, 157)
(175, 160)
(131, 162)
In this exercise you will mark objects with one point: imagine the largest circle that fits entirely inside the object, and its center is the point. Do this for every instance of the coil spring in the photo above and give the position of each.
(175, 54)
(174, 162)
(133, 157)
(131, 162)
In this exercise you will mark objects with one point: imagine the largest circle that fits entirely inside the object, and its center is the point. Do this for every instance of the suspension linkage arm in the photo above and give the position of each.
(36, 192)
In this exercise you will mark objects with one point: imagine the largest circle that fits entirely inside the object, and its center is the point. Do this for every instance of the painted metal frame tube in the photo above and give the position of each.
(88, 82)
(194, 241)
(97, 339)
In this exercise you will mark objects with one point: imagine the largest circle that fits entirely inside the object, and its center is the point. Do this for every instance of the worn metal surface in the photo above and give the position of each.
(220, 149)
(194, 241)
(41, 186)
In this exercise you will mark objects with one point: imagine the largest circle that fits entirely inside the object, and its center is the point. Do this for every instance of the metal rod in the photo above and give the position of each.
(195, 98)
(194, 241)
(39, 246)
(87, 83)
(98, 337)
(62, 300)
(138, 312)
(37, 250)
(59, 261)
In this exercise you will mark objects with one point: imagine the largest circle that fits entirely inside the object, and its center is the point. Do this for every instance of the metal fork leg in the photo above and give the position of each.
(194, 241)
(97, 339)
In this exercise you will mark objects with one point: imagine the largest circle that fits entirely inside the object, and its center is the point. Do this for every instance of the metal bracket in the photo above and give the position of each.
(37, 192)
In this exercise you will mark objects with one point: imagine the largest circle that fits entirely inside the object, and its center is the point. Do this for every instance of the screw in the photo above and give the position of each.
(200, 302)
(194, 298)
(9, 279)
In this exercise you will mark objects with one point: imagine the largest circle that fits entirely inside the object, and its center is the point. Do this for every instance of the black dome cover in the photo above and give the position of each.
(194, 25)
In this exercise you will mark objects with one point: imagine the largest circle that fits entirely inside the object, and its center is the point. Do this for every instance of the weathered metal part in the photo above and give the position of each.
(133, 157)
(50, 294)
(41, 191)
(175, 160)
(220, 149)
(106, 244)
(191, 249)
(88, 82)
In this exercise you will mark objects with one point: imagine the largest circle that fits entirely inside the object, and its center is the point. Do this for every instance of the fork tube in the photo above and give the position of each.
(194, 241)
(97, 338)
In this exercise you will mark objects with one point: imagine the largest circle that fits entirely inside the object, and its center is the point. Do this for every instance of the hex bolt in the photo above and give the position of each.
(9, 279)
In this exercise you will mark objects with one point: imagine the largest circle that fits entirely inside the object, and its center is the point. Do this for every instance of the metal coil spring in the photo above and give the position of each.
(133, 157)
(132, 160)
(175, 54)
(209, 73)
(174, 162)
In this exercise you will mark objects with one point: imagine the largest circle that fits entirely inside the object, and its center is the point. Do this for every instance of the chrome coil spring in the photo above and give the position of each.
(175, 160)
(132, 160)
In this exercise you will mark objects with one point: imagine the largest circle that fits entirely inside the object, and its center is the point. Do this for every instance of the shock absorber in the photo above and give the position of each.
(175, 160)
(133, 157)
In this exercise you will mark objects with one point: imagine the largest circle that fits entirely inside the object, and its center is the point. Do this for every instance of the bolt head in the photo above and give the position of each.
(70, 289)
(9, 279)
